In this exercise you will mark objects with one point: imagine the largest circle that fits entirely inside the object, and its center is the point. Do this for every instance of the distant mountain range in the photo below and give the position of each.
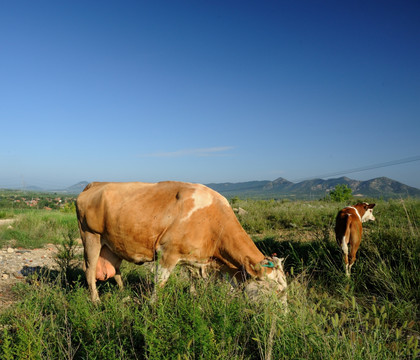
(280, 188)
(315, 189)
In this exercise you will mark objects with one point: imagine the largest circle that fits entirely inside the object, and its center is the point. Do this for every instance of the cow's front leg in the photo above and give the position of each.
(163, 275)
(164, 267)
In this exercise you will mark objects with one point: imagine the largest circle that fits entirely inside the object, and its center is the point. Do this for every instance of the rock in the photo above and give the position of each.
(19, 264)
(240, 211)
(22, 251)
(18, 275)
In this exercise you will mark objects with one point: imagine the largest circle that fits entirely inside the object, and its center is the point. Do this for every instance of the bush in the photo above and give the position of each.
(341, 193)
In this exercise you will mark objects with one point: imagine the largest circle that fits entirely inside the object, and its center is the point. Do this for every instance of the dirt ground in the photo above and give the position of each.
(18, 265)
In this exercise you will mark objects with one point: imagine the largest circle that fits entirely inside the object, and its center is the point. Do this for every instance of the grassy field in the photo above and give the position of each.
(373, 315)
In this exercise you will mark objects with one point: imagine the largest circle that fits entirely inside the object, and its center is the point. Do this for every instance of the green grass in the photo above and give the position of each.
(7, 214)
(373, 315)
(34, 228)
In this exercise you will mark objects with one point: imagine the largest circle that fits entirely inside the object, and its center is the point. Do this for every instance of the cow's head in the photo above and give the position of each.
(271, 268)
(270, 278)
(277, 273)
(368, 215)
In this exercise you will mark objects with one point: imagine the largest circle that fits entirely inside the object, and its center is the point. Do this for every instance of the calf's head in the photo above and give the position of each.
(368, 214)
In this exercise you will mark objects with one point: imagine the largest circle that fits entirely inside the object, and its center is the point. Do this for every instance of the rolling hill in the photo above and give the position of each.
(280, 188)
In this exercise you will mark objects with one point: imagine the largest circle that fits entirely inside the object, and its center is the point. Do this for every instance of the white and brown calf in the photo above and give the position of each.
(348, 230)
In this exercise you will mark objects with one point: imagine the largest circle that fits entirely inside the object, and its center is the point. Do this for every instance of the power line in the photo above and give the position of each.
(363, 168)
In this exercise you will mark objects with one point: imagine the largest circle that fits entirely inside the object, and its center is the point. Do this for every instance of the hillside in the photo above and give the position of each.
(314, 189)
(77, 188)
(281, 188)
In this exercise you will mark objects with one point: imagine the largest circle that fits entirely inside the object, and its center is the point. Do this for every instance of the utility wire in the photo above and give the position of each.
(363, 168)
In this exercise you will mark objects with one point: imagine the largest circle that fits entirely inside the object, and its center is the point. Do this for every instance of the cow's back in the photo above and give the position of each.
(134, 219)
(347, 220)
(102, 205)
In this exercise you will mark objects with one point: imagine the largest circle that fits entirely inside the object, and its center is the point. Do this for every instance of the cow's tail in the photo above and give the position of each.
(92, 184)
(88, 186)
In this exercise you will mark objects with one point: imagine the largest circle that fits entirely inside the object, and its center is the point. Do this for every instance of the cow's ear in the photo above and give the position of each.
(371, 206)
(268, 263)
(251, 269)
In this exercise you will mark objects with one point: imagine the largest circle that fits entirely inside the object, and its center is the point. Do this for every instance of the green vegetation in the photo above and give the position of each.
(372, 315)
(340, 193)
(34, 228)
(23, 200)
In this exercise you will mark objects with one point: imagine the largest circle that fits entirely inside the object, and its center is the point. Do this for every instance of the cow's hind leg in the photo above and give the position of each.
(92, 249)
(345, 248)
(353, 251)
(118, 279)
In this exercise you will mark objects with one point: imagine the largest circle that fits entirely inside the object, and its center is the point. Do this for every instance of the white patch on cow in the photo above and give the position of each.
(275, 283)
(347, 270)
(368, 215)
(272, 275)
(352, 207)
(201, 199)
(163, 275)
(344, 246)
(278, 276)
(278, 273)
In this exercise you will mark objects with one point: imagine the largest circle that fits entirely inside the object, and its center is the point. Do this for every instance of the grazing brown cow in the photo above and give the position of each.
(348, 230)
(182, 222)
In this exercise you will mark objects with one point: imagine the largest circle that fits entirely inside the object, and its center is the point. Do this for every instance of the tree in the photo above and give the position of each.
(340, 193)
(234, 200)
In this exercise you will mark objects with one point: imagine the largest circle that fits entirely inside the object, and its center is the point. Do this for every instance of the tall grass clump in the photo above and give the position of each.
(7, 214)
(34, 228)
(390, 263)
(67, 259)
(214, 322)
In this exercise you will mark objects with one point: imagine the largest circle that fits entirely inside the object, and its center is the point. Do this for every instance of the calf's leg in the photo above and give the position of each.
(345, 248)
(353, 251)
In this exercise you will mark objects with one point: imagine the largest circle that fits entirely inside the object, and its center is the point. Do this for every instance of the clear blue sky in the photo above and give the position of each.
(208, 91)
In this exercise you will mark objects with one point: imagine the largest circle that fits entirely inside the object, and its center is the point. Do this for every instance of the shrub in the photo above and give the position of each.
(341, 193)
